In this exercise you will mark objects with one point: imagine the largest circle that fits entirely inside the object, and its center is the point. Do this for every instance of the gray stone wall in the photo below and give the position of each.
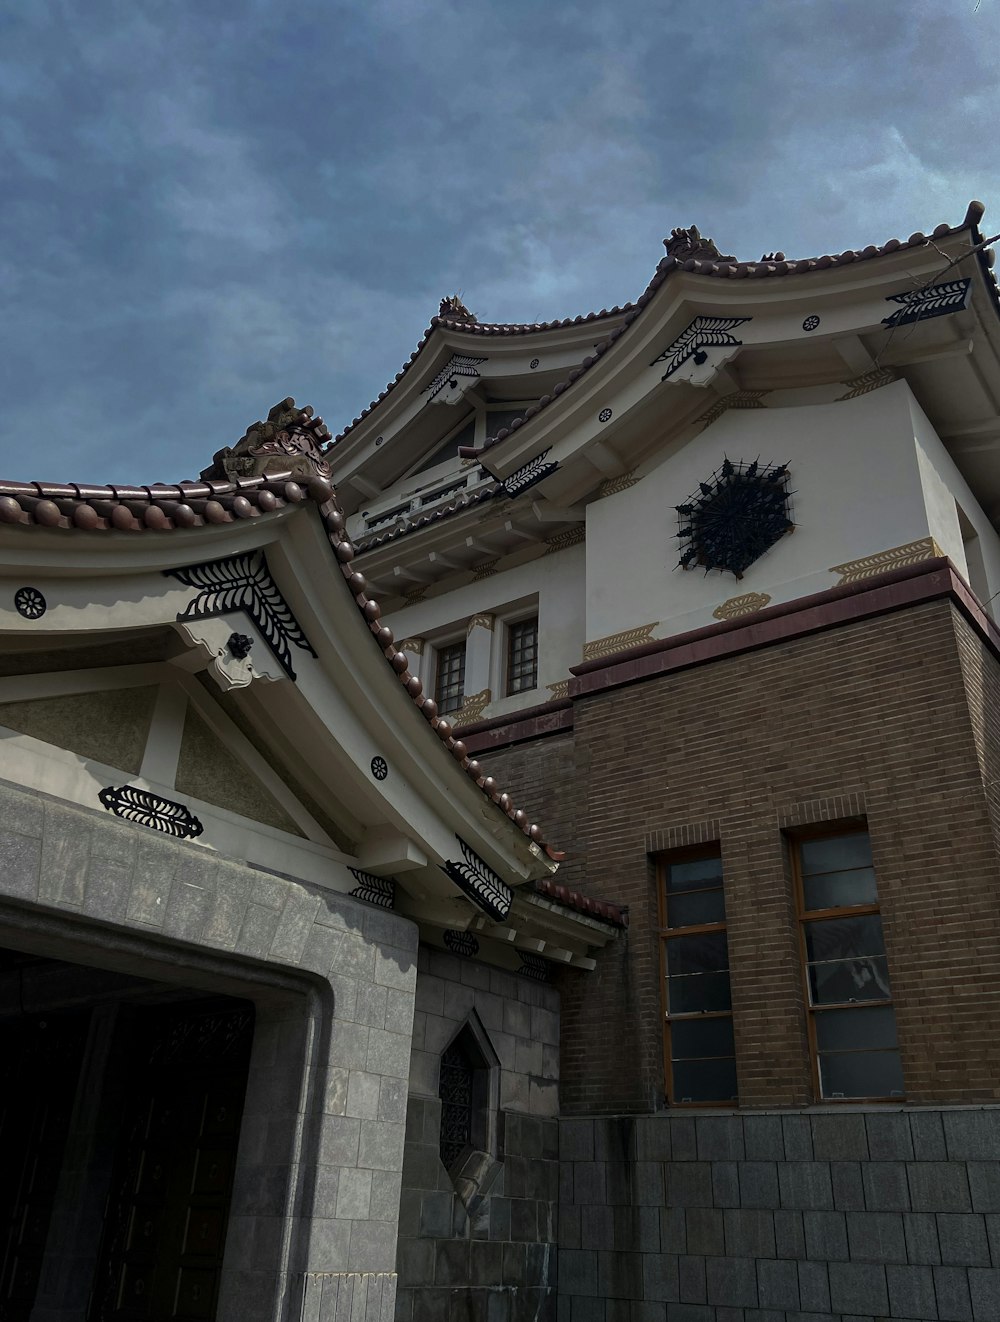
(858, 1215)
(494, 1261)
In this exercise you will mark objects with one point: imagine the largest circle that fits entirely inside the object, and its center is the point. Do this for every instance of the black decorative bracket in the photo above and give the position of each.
(375, 890)
(533, 966)
(461, 364)
(243, 582)
(703, 333)
(148, 809)
(463, 944)
(528, 474)
(480, 883)
(934, 301)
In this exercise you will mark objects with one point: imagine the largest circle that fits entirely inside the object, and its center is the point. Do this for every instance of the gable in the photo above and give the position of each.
(110, 726)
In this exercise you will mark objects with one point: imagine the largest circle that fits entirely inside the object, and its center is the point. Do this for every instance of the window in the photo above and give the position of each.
(522, 655)
(852, 1025)
(701, 1065)
(449, 687)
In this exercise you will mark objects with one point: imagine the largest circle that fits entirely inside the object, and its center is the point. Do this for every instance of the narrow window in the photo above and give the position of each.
(522, 656)
(700, 1058)
(449, 689)
(852, 1024)
(457, 1089)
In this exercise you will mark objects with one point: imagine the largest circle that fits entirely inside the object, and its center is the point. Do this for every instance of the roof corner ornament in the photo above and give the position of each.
(290, 441)
(699, 351)
(686, 244)
(480, 883)
(453, 309)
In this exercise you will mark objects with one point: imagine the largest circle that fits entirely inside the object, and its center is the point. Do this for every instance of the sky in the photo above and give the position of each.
(208, 205)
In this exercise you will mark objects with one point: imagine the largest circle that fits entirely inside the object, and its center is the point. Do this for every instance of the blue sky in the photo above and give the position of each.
(208, 206)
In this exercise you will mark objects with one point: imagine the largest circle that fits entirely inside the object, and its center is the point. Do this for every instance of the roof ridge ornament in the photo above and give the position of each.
(453, 309)
(684, 244)
(290, 441)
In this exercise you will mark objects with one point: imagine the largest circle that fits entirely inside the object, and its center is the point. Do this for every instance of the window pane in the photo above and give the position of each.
(694, 908)
(861, 1074)
(865, 979)
(522, 656)
(449, 689)
(696, 1038)
(836, 853)
(699, 991)
(705, 1081)
(847, 1030)
(694, 874)
(697, 954)
(832, 890)
(838, 938)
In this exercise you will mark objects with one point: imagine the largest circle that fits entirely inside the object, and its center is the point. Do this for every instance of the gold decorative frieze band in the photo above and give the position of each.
(737, 399)
(414, 645)
(484, 570)
(570, 537)
(737, 606)
(897, 557)
(617, 642)
(480, 622)
(867, 381)
(612, 485)
(473, 707)
(559, 690)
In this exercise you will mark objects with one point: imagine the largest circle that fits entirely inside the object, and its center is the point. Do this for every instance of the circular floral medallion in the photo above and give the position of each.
(604, 415)
(810, 323)
(30, 603)
(379, 440)
(533, 364)
(380, 768)
(734, 517)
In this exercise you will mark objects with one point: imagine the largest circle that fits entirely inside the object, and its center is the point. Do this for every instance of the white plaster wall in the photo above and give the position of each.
(557, 580)
(858, 490)
(943, 486)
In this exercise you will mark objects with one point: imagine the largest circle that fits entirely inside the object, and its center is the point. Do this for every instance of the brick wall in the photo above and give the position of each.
(495, 1260)
(855, 1215)
(893, 717)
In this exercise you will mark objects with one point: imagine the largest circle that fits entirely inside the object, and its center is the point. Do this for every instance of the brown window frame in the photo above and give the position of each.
(511, 628)
(665, 933)
(804, 916)
(448, 705)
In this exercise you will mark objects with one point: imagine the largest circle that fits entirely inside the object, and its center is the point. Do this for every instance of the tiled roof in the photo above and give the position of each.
(454, 506)
(161, 508)
(704, 259)
(610, 913)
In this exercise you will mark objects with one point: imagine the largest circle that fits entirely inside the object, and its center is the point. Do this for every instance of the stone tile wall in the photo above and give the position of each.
(854, 1215)
(493, 1262)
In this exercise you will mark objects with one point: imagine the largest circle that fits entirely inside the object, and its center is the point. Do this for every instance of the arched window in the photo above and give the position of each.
(469, 1090)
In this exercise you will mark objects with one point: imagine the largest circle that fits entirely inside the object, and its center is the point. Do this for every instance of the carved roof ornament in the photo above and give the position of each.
(290, 441)
(453, 309)
(689, 243)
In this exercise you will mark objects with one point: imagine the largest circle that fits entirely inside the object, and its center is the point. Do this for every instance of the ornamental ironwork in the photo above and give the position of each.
(930, 301)
(734, 517)
(480, 883)
(458, 1078)
(463, 944)
(703, 333)
(375, 890)
(528, 474)
(152, 810)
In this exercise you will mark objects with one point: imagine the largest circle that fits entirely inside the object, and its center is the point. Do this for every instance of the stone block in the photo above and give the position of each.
(789, 1235)
(590, 1182)
(719, 1138)
(848, 1191)
(354, 1195)
(889, 1136)
(984, 1185)
(689, 1184)
(885, 1185)
(543, 1098)
(858, 1288)
(349, 1044)
(840, 1137)
(825, 1236)
(689, 1313)
(758, 1181)
(814, 1287)
(339, 1139)
(691, 1284)
(876, 1237)
(762, 1138)
(660, 1277)
(920, 1232)
(927, 1133)
(963, 1240)
(725, 1184)
(524, 1220)
(652, 1138)
(429, 994)
(749, 1233)
(805, 1185)
(732, 1282)
(939, 1186)
(381, 1145)
(972, 1135)
(362, 1094)
(329, 1244)
(451, 1262)
(619, 1275)
(294, 927)
(647, 1184)
(683, 1141)
(517, 1019)
(597, 1227)
(984, 1287)
(392, 1100)
(672, 1233)
(388, 1053)
(911, 1292)
(570, 1227)
(485, 1263)
(777, 1285)
(370, 1006)
(415, 1262)
(705, 1234)
(544, 1026)
(386, 1193)
(951, 1287)
(797, 1134)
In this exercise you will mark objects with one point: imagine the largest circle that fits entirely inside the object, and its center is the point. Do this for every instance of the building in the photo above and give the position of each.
(693, 598)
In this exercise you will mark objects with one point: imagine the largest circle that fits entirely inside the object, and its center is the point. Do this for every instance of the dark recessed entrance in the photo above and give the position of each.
(119, 1121)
